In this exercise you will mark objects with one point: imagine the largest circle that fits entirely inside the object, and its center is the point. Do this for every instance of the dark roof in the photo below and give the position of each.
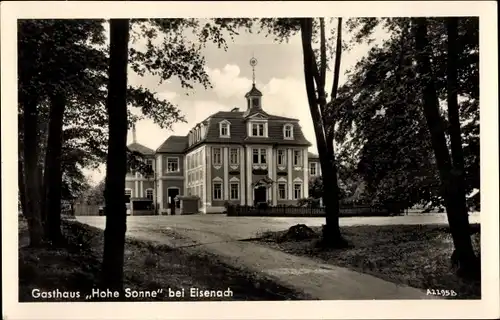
(174, 144)
(311, 155)
(137, 147)
(238, 121)
(254, 92)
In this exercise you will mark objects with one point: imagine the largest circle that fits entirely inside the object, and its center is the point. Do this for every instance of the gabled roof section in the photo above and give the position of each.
(137, 147)
(174, 144)
(257, 115)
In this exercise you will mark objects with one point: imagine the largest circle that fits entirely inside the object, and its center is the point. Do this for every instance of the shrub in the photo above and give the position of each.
(308, 202)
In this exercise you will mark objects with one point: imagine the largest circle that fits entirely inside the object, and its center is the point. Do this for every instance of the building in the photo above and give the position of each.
(138, 186)
(239, 156)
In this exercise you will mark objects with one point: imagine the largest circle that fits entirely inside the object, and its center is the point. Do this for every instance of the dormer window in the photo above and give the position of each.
(225, 129)
(258, 129)
(202, 131)
(288, 131)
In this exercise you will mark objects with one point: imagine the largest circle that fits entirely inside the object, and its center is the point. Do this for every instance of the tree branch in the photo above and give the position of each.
(323, 52)
(338, 55)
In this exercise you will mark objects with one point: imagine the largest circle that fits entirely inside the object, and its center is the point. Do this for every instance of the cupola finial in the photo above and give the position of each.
(253, 63)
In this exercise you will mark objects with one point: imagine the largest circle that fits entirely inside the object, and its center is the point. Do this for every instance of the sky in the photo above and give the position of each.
(279, 76)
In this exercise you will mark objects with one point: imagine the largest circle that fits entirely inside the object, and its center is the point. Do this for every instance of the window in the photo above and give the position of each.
(149, 165)
(297, 158)
(312, 169)
(224, 129)
(255, 158)
(233, 156)
(259, 156)
(172, 164)
(217, 156)
(282, 191)
(257, 129)
(288, 131)
(262, 156)
(297, 191)
(235, 191)
(217, 191)
(149, 194)
(255, 102)
(281, 158)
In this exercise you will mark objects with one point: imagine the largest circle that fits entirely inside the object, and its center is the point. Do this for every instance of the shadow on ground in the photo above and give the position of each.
(148, 266)
(413, 255)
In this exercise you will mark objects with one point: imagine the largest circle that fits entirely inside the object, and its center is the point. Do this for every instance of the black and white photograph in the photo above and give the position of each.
(264, 160)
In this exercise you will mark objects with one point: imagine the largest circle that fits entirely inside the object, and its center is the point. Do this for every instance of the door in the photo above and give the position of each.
(172, 193)
(260, 195)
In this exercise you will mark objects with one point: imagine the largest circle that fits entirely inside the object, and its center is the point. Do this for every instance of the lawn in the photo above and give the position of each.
(414, 255)
(148, 266)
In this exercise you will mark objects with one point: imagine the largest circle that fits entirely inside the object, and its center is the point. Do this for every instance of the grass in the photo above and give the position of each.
(148, 266)
(414, 255)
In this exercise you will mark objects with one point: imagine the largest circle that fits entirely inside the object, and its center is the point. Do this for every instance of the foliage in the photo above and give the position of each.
(379, 112)
(94, 195)
(309, 202)
(79, 46)
(316, 187)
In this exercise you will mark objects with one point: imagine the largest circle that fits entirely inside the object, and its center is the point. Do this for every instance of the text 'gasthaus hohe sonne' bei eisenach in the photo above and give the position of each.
(128, 293)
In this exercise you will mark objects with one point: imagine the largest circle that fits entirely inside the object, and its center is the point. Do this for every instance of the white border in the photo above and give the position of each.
(487, 307)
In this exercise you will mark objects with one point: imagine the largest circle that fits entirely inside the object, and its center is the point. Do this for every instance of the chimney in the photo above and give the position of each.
(235, 109)
(134, 135)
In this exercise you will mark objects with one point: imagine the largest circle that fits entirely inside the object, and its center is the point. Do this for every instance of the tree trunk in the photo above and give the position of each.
(53, 171)
(116, 165)
(31, 174)
(331, 187)
(331, 231)
(452, 191)
(22, 188)
(452, 97)
(467, 259)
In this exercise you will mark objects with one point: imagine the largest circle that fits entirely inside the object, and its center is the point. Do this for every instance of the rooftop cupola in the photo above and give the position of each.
(254, 96)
